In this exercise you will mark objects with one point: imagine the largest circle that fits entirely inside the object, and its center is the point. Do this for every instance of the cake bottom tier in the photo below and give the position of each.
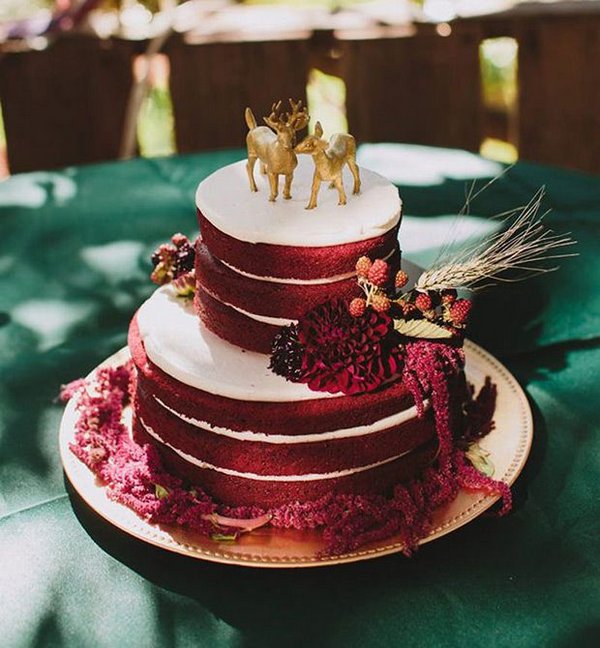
(270, 469)
(225, 423)
(236, 490)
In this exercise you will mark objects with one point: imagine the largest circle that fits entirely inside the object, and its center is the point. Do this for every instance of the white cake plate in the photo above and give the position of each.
(508, 444)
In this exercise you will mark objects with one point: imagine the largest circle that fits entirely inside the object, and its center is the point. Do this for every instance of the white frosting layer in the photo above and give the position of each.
(265, 319)
(276, 478)
(299, 282)
(176, 341)
(362, 430)
(226, 201)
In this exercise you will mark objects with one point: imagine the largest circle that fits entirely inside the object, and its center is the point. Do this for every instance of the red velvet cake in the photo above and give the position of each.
(205, 395)
(287, 373)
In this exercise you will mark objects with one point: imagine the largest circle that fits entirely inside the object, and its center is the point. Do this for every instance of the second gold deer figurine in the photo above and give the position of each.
(275, 150)
(330, 158)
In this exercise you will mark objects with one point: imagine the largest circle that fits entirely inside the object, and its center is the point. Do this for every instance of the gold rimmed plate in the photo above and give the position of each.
(508, 446)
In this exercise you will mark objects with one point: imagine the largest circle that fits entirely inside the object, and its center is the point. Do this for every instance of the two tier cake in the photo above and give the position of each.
(205, 394)
(287, 372)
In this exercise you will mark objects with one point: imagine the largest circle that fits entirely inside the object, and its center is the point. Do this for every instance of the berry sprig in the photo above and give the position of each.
(441, 308)
(459, 312)
(373, 278)
(380, 288)
(172, 260)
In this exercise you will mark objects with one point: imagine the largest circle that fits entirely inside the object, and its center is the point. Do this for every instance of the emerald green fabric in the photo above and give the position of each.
(74, 250)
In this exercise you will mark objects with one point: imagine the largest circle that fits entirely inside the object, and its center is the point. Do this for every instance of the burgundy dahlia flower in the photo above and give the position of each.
(347, 354)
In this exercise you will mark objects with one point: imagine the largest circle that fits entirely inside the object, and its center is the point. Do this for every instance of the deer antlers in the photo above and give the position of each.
(296, 120)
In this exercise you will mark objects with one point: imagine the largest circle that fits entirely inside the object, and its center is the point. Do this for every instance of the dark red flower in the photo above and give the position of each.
(347, 354)
(286, 354)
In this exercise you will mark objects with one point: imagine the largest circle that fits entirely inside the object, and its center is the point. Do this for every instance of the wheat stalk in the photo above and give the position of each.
(512, 254)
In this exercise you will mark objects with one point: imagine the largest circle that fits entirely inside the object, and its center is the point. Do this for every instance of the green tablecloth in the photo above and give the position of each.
(73, 261)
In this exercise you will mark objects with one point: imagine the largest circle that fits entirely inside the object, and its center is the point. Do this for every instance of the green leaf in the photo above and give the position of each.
(160, 491)
(421, 328)
(185, 292)
(224, 537)
(480, 459)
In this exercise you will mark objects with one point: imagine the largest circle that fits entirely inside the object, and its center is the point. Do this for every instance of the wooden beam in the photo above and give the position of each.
(423, 88)
(66, 104)
(212, 83)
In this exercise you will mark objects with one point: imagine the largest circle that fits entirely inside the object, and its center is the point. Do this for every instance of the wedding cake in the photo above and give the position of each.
(287, 371)
(205, 394)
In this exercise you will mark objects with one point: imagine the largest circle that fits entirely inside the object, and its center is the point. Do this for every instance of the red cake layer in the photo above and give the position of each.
(232, 326)
(287, 261)
(298, 417)
(273, 299)
(283, 458)
(241, 491)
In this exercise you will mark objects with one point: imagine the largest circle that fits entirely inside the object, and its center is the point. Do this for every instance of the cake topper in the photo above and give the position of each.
(275, 150)
(330, 158)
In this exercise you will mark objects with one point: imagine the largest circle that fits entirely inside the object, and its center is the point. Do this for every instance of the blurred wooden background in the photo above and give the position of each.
(67, 103)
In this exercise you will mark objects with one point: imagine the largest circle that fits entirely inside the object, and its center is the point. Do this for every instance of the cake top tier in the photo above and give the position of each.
(225, 200)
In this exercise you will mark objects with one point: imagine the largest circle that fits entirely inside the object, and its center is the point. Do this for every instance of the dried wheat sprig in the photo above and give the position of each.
(519, 248)
(471, 194)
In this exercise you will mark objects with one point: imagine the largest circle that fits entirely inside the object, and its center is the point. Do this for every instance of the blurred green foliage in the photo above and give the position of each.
(498, 58)
(155, 129)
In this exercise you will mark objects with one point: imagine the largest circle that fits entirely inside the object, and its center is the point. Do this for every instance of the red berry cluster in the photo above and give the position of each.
(357, 307)
(172, 260)
(459, 312)
(401, 279)
(379, 273)
(363, 265)
(444, 307)
(374, 277)
(441, 307)
(423, 302)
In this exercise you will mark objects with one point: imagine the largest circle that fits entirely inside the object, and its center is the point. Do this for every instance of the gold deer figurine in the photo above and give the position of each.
(275, 150)
(329, 158)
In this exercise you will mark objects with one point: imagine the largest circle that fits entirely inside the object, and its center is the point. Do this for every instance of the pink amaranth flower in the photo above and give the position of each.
(70, 389)
(347, 354)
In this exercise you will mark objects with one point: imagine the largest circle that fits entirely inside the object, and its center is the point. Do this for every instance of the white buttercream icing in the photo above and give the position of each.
(299, 282)
(176, 341)
(265, 319)
(394, 420)
(275, 478)
(226, 201)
